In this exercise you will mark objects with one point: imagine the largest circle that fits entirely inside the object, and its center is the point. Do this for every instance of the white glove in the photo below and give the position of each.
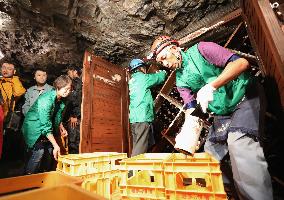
(205, 95)
(188, 138)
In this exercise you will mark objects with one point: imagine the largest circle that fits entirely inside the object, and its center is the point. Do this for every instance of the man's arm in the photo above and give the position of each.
(222, 57)
(56, 148)
(156, 78)
(231, 71)
(18, 88)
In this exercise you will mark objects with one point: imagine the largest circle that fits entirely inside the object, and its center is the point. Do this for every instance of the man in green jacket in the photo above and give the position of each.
(141, 106)
(223, 85)
(43, 123)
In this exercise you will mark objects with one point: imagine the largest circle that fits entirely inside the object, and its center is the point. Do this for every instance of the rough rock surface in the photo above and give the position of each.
(54, 33)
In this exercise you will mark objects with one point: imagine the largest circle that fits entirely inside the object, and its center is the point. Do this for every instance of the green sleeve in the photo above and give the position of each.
(155, 78)
(58, 117)
(45, 107)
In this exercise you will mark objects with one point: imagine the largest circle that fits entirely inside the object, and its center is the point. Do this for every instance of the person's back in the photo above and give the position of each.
(141, 107)
(141, 101)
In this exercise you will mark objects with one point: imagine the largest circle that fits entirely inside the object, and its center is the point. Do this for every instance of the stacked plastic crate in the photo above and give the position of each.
(172, 176)
(146, 176)
(99, 170)
(197, 177)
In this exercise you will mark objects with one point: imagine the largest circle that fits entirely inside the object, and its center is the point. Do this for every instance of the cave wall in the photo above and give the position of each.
(55, 33)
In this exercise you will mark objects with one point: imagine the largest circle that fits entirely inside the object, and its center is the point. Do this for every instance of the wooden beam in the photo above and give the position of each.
(216, 24)
(233, 34)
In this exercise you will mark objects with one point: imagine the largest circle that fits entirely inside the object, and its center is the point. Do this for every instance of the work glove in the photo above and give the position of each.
(187, 139)
(204, 96)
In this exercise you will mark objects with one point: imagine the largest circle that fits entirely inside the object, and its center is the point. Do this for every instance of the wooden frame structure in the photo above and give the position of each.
(267, 38)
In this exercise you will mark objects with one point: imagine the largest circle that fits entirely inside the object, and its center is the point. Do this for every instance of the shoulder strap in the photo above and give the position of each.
(10, 100)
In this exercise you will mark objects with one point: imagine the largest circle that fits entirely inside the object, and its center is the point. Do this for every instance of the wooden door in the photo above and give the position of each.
(104, 126)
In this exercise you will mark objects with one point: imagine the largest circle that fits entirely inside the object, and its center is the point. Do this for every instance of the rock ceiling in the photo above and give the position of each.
(54, 33)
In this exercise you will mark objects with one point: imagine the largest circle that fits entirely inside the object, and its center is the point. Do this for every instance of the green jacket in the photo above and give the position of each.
(141, 106)
(197, 72)
(43, 118)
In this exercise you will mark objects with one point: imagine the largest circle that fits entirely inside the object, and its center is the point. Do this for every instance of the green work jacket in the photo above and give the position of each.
(141, 106)
(196, 72)
(43, 118)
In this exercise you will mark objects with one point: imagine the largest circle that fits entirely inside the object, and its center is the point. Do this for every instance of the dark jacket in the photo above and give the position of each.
(74, 100)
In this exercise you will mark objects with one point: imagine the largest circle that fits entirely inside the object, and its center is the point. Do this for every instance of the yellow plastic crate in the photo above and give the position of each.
(197, 177)
(63, 192)
(104, 184)
(148, 176)
(89, 163)
(35, 181)
(144, 186)
(152, 162)
(181, 195)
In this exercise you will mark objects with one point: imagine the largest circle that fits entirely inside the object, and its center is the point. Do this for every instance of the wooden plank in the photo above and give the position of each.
(233, 15)
(63, 192)
(85, 145)
(233, 34)
(48, 179)
(99, 129)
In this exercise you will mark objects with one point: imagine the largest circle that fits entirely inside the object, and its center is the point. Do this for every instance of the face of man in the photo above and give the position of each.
(40, 77)
(8, 70)
(170, 57)
(64, 92)
(72, 73)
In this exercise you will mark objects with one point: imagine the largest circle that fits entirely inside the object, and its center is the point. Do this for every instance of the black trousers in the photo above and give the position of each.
(73, 138)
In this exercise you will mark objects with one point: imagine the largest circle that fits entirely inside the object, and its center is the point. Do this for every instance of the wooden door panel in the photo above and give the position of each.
(105, 107)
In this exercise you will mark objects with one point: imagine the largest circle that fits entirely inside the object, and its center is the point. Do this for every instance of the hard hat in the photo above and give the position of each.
(159, 44)
(135, 63)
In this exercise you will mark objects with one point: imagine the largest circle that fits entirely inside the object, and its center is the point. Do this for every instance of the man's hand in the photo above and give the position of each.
(56, 151)
(205, 95)
(62, 130)
(73, 122)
